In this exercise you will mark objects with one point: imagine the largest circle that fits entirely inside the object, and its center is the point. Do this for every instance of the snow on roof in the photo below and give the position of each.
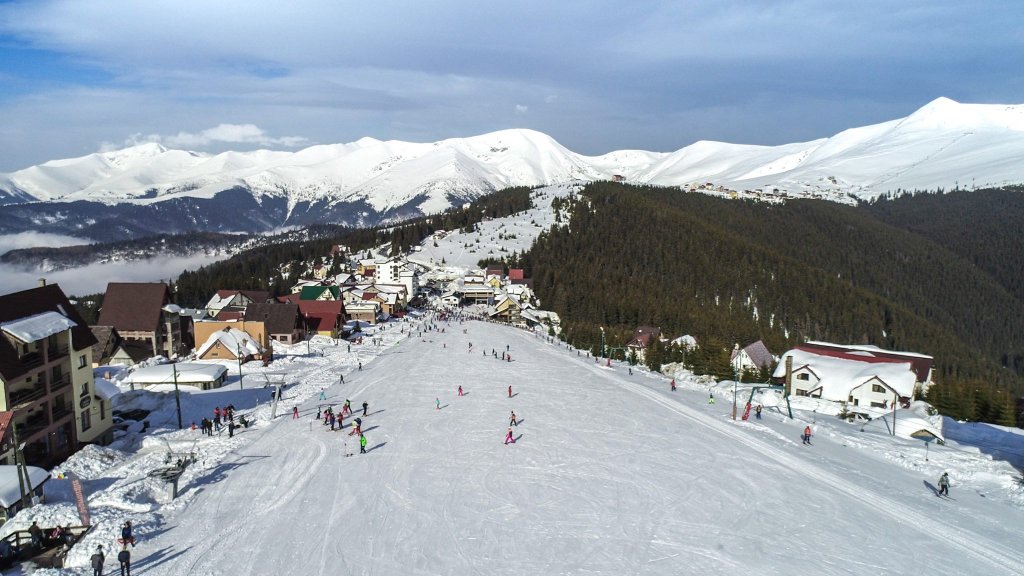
(908, 425)
(37, 327)
(838, 376)
(232, 339)
(10, 488)
(106, 388)
(869, 348)
(186, 372)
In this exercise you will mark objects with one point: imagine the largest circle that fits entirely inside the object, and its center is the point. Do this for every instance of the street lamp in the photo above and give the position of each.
(602, 342)
(240, 387)
(177, 398)
(736, 374)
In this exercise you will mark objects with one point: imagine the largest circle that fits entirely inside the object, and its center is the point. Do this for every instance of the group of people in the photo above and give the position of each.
(124, 559)
(337, 421)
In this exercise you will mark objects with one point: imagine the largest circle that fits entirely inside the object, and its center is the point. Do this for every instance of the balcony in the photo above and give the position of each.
(24, 396)
(60, 412)
(60, 383)
(55, 352)
(32, 360)
(33, 425)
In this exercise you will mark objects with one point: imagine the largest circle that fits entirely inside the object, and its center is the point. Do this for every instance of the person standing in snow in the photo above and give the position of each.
(672, 385)
(96, 561)
(944, 485)
(216, 418)
(509, 390)
(295, 412)
(362, 444)
(512, 419)
(124, 558)
(460, 390)
(807, 434)
(437, 402)
(509, 438)
(757, 412)
(347, 408)
(366, 406)
(332, 420)
(711, 398)
(126, 535)
(323, 393)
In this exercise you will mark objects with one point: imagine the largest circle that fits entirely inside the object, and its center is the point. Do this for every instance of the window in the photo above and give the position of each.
(103, 410)
(81, 361)
(803, 376)
(877, 388)
(86, 420)
(85, 389)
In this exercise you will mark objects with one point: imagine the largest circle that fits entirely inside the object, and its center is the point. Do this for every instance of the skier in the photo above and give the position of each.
(944, 485)
(711, 398)
(437, 401)
(509, 390)
(757, 412)
(366, 407)
(347, 408)
(630, 370)
(295, 412)
(96, 561)
(124, 558)
(807, 434)
(672, 384)
(509, 438)
(332, 420)
(362, 444)
(512, 420)
(323, 393)
(460, 390)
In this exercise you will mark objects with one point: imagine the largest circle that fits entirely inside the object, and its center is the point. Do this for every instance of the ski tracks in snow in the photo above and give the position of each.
(995, 555)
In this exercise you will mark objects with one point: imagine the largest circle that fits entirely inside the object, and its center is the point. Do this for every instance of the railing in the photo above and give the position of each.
(60, 412)
(32, 360)
(62, 382)
(54, 352)
(25, 396)
(50, 553)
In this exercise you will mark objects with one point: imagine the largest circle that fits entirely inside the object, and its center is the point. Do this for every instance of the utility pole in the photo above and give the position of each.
(602, 342)
(177, 395)
(19, 460)
(737, 377)
(240, 387)
(895, 401)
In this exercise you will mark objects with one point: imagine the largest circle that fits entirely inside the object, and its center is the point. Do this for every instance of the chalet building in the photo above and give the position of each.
(107, 341)
(230, 344)
(642, 338)
(144, 312)
(323, 317)
(864, 376)
(46, 376)
(231, 304)
(752, 357)
(282, 322)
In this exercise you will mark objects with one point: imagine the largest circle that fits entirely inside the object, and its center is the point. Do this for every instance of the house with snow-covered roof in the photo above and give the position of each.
(642, 338)
(234, 301)
(231, 344)
(859, 378)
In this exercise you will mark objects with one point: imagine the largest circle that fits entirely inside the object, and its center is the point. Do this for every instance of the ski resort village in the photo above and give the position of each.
(417, 413)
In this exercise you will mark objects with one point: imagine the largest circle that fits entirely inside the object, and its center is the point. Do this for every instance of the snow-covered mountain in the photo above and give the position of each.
(945, 145)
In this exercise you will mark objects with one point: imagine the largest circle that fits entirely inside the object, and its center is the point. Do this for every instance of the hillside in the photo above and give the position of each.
(732, 272)
(148, 189)
(667, 485)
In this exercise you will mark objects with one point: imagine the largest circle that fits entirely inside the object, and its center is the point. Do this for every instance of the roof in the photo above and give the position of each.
(922, 363)
(186, 372)
(276, 318)
(137, 350)
(839, 374)
(226, 298)
(10, 486)
(515, 274)
(37, 327)
(233, 340)
(106, 337)
(643, 336)
(315, 292)
(131, 306)
(758, 354)
(27, 303)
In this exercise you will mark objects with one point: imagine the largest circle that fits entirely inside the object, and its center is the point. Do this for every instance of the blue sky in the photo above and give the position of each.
(83, 75)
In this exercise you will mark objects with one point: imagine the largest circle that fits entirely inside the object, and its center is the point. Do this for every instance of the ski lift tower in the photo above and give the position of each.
(276, 380)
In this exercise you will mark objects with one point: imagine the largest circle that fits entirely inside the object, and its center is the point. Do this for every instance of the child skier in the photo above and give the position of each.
(362, 444)
(512, 420)
(807, 434)
(944, 485)
(295, 412)
(347, 408)
(672, 385)
(509, 438)
(711, 398)
(460, 390)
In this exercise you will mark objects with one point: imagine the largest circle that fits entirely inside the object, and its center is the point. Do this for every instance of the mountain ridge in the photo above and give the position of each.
(943, 145)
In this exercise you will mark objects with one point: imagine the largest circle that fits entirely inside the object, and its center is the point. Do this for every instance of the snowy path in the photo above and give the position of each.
(608, 476)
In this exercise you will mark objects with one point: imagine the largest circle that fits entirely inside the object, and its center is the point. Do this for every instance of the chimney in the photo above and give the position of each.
(789, 375)
(42, 282)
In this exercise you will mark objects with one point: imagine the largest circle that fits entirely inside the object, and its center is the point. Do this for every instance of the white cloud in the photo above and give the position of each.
(234, 134)
(522, 109)
(37, 239)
